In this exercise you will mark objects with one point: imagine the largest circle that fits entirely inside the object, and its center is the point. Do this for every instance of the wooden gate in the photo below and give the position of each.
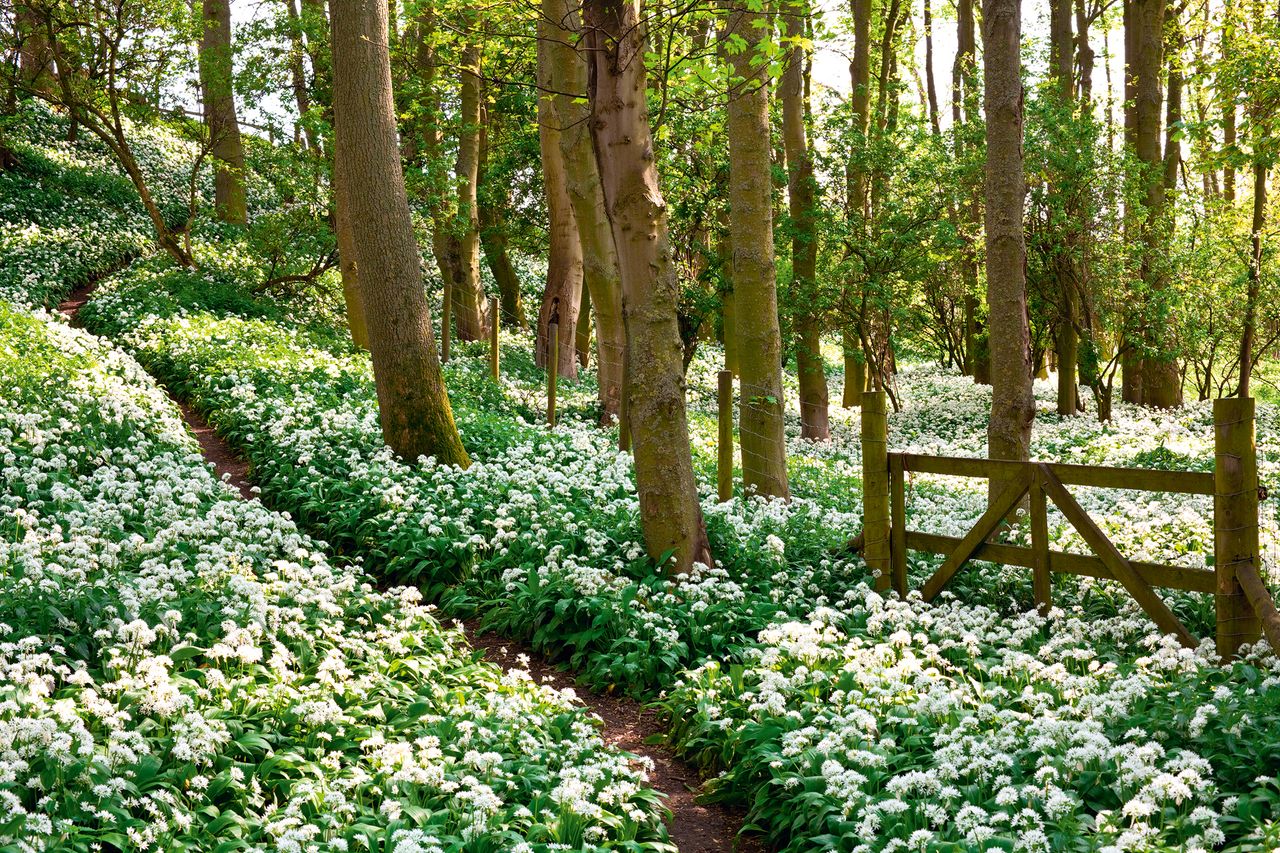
(1243, 604)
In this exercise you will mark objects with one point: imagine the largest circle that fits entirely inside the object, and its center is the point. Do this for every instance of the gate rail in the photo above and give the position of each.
(1243, 604)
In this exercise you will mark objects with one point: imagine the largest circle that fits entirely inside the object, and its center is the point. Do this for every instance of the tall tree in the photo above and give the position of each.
(1012, 404)
(298, 76)
(562, 293)
(468, 292)
(230, 201)
(856, 189)
(1062, 72)
(669, 510)
(764, 450)
(561, 29)
(413, 406)
(1161, 383)
(802, 198)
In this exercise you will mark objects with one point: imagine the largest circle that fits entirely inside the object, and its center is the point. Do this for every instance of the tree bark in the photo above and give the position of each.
(298, 75)
(230, 202)
(561, 29)
(1161, 378)
(669, 510)
(931, 86)
(856, 188)
(1012, 404)
(468, 293)
(357, 323)
(1249, 332)
(760, 418)
(413, 406)
(1062, 71)
(562, 292)
(801, 195)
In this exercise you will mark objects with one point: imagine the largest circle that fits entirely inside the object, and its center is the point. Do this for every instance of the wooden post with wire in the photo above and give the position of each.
(446, 322)
(1235, 522)
(494, 318)
(875, 487)
(724, 447)
(553, 367)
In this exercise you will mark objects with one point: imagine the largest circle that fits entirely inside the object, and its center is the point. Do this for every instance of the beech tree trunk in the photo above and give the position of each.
(1161, 379)
(357, 324)
(468, 293)
(1255, 277)
(1066, 342)
(669, 510)
(493, 240)
(801, 195)
(1012, 404)
(230, 203)
(560, 31)
(856, 180)
(35, 58)
(298, 75)
(761, 401)
(413, 406)
(562, 293)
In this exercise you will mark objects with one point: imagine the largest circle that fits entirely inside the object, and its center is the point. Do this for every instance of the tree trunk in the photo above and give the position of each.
(35, 58)
(347, 265)
(1255, 277)
(439, 202)
(669, 510)
(562, 26)
(856, 191)
(562, 292)
(1012, 404)
(764, 449)
(801, 194)
(931, 86)
(582, 336)
(1062, 72)
(1161, 378)
(413, 406)
(469, 299)
(298, 75)
(230, 204)
(493, 240)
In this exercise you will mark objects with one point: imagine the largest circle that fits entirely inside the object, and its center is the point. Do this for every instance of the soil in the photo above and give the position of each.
(226, 462)
(695, 827)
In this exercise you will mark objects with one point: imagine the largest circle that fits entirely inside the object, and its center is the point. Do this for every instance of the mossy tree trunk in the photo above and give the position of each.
(413, 406)
(761, 401)
(802, 197)
(560, 31)
(669, 510)
(230, 200)
(562, 291)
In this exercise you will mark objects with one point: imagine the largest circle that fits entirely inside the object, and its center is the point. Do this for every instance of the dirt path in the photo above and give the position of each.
(226, 462)
(695, 828)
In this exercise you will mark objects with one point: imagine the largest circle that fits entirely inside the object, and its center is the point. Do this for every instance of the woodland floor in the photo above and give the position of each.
(628, 725)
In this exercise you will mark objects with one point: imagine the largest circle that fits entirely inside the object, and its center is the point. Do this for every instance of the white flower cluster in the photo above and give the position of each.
(179, 666)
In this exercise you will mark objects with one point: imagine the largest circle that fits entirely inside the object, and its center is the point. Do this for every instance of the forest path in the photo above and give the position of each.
(694, 827)
(226, 462)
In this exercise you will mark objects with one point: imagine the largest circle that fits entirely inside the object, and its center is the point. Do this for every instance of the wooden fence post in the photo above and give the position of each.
(446, 322)
(1041, 581)
(494, 318)
(1235, 520)
(553, 367)
(875, 487)
(724, 447)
